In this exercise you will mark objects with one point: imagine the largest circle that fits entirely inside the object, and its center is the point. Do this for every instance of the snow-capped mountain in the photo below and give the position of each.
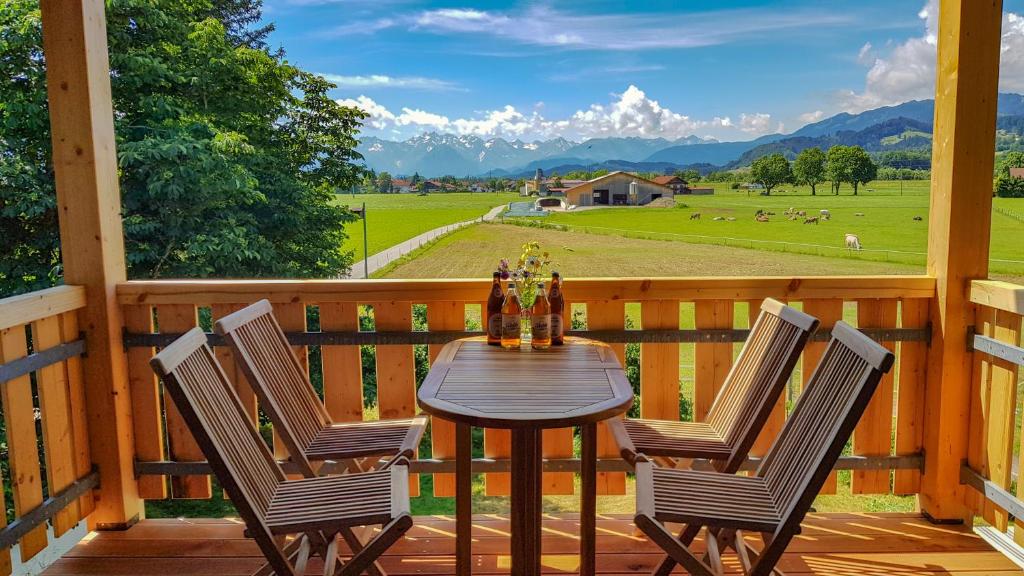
(433, 154)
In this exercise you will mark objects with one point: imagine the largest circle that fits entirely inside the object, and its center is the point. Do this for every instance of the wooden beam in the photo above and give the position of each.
(958, 237)
(28, 308)
(89, 206)
(996, 294)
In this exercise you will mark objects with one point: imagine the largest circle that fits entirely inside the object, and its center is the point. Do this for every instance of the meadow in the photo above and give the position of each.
(393, 218)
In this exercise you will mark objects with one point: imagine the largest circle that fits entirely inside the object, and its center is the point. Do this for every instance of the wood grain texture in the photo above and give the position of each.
(76, 399)
(20, 422)
(913, 369)
(777, 418)
(443, 316)
(343, 366)
(292, 318)
(873, 435)
(177, 319)
(711, 361)
(227, 361)
(396, 381)
(27, 308)
(55, 410)
(147, 412)
(828, 312)
(607, 315)
(659, 363)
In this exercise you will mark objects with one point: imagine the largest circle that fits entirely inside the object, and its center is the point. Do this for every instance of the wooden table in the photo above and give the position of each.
(525, 391)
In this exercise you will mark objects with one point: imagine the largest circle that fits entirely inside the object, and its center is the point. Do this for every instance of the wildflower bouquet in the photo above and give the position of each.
(531, 268)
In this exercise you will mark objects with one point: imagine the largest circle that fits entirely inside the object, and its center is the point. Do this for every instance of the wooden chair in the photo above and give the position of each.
(317, 510)
(774, 501)
(747, 397)
(299, 417)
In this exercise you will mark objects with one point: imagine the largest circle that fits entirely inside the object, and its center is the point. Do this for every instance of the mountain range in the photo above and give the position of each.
(900, 127)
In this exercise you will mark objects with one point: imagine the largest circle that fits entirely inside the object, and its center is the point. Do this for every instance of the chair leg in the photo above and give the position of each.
(686, 536)
(289, 550)
(679, 552)
(331, 557)
(303, 557)
(390, 534)
(356, 544)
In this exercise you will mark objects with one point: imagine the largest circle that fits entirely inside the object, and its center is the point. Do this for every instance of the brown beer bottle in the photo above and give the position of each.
(493, 318)
(557, 310)
(511, 319)
(540, 320)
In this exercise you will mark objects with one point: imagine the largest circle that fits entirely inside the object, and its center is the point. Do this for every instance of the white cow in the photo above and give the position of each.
(825, 215)
(852, 242)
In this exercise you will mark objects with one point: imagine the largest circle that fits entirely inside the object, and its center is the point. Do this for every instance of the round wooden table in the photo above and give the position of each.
(525, 391)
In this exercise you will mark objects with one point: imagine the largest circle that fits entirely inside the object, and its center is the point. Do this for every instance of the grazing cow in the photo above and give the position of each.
(858, 213)
(770, 213)
(802, 213)
(761, 217)
(695, 216)
(853, 242)
(718, 219)
(731, 219)
(824, 213)
(918, 219)
(811, 220)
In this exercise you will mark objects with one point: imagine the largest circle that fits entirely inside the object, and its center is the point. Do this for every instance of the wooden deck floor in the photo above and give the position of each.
(834, 544)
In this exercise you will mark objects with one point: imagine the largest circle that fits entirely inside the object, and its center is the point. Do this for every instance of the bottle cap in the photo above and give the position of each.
(555, 274)
(496, 274)
(511, 284)
(540, 284)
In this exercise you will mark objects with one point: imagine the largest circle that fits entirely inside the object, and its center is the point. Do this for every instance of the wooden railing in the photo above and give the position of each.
(43, 405)
(893, 307)
(994, 439)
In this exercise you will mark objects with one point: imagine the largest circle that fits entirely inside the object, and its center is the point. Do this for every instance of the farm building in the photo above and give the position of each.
(677, 184)
(616, 189)
(1016, 172)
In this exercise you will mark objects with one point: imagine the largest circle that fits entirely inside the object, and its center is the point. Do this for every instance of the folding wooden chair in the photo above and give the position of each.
(299, 417)
(745, 401)
(316, 510)
(775, 500)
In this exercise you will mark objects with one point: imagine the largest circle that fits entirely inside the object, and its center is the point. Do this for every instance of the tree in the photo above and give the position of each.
(416, 178)
(384, 185)
(770, 171)
(229, 157)
(862, 168)
(1008, 186)
(809, 168)
(839, 167)
(690, 175)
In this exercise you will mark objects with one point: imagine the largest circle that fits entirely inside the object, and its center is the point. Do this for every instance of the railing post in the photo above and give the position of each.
(967, 78)
(89, 206)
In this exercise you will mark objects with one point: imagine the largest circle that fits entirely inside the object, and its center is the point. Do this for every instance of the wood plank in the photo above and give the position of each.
(396, 380)
(873, 434)
(5, 553)
(913, 369)
(76, 399)
(777, 419)
(997, 294)
(89, 214)
(828, 312)
(23, 455)
(55, 410)
(147, 414)
(607, 315)
(711, 361)
(343, 365)
(226, 359)
(583, 289)
(967, 85)
(659, 363)
(443, 316)
(292, 318)
(557, 443)
(27, 308)
(176, 319)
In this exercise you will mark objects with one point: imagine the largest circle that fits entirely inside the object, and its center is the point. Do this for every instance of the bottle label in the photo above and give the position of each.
(494, 326)
(511, 325)
(540, 326)
(556, 325)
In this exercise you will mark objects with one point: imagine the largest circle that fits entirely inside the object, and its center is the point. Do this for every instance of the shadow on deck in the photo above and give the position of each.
(834, 544)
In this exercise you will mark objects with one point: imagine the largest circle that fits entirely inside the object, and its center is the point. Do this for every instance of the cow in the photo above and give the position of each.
(731, 219)
(853, 242)
(718, 219)
(695, 216)
(858, 213)
(918, 219)
(825, 215)
(811, 220)
(802, 213)
(761, 218)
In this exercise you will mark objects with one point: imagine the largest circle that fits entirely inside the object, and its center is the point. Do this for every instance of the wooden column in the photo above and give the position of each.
(958, 237)
(89, 204)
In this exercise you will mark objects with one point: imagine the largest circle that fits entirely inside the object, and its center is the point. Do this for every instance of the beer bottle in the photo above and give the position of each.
(511, 319)
(493, 318)
(557, 310)
(540, 319)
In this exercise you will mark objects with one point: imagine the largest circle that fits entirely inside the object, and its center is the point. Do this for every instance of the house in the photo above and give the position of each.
(1016, 172)
(400, 186)
(677, 184)
(699, 190)
(616, 189)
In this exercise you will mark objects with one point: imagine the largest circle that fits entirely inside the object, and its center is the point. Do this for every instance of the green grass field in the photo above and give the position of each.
(393, 218)
(887, 229)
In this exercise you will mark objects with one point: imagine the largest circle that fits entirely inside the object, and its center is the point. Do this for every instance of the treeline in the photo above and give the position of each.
(840, 165)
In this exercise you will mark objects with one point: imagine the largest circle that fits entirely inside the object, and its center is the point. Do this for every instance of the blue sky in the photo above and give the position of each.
(728, 69)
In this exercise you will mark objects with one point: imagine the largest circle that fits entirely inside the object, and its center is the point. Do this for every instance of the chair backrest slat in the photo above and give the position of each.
(275, 374)
(214, 414)
(833, 401)
(758, 377)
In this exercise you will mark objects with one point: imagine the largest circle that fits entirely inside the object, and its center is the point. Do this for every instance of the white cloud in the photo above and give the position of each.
(543, 26)
(631, 113)
(907, 72)
(384, 81)
(809, 117)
